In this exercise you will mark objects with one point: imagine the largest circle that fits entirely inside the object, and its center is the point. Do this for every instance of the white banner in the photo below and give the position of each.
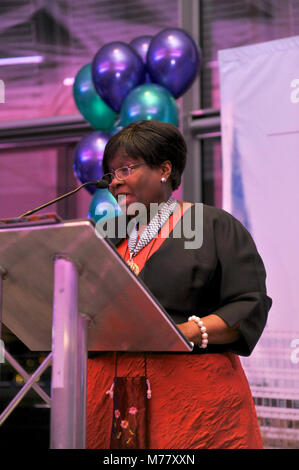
(260, 144)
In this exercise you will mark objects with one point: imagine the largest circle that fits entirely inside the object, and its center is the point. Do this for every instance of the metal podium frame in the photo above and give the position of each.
(83, 311)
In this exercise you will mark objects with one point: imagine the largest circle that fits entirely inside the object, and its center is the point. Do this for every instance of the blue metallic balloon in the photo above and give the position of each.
(173, 60)
(149, 101)
(116, 128)
(116, 70)
(103, 206)
(88, 156)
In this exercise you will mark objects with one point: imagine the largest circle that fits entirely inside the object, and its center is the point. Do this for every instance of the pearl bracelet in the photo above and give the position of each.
(204, 334)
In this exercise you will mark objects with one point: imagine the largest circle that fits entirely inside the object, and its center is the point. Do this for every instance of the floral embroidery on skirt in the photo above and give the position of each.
(129, 427)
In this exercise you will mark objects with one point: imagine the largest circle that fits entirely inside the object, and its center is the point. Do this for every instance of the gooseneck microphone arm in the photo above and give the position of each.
(99, 184)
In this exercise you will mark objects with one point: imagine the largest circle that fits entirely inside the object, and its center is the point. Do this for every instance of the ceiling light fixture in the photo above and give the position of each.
(35, 59)
(69, 81)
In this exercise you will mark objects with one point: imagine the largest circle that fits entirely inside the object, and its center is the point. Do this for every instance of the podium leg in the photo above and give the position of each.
(2, 276)
(69, 349)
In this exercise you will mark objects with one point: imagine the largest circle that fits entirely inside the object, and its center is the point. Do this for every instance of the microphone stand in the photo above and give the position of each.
(99, 184)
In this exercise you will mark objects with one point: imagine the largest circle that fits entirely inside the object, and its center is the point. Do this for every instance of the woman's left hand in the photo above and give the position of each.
(218, 331)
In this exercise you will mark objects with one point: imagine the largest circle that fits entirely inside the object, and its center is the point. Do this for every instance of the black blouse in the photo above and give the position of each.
(225, 276)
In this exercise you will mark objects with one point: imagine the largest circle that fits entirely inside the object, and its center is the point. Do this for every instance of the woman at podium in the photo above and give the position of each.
(214, 290)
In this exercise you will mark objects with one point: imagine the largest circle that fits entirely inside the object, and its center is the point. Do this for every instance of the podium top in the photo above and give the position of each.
(124, 316)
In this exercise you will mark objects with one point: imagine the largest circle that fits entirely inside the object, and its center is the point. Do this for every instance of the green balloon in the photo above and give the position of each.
(90, 104)
(149, 101)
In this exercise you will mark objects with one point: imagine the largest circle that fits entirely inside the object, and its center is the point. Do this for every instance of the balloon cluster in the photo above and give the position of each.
(131, 82)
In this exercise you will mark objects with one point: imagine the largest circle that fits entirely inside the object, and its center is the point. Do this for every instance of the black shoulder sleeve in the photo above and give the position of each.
(243, 293)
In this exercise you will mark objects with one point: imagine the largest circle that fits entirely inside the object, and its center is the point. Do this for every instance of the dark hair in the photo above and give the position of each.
(154, 142)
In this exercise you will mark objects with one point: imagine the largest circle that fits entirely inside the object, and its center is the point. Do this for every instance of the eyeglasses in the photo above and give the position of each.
(120, 173)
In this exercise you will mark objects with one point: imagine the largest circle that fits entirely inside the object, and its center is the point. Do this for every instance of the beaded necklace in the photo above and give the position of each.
(149, 232)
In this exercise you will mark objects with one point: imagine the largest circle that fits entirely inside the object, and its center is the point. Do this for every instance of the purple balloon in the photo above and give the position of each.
(88, 156)
(116, 70)
(173, 60)
(141, 45)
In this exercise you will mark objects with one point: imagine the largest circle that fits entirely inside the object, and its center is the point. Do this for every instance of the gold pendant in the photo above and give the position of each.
(133, 266)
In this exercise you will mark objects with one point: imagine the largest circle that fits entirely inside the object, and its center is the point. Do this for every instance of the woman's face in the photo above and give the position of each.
(143, 185)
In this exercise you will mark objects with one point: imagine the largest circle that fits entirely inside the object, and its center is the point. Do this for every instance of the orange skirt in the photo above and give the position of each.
(197, 401)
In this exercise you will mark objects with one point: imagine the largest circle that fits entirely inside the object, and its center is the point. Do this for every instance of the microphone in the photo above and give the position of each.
(100, 184)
